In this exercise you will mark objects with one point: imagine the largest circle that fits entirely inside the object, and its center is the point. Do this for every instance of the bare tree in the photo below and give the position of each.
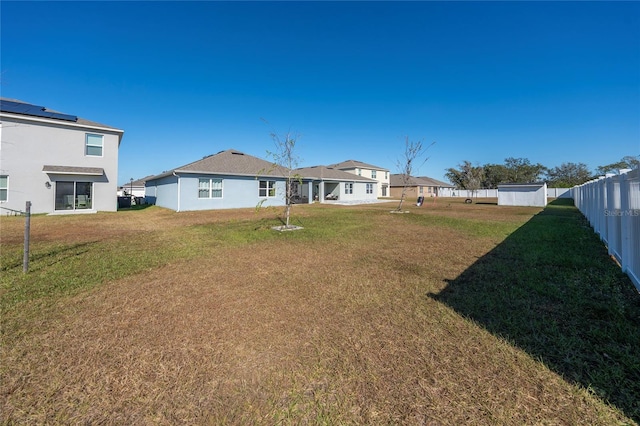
(474, 175)
(413, 152)
(285, 161)
(467, 176)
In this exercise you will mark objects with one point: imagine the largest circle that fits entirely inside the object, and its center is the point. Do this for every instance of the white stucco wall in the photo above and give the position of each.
(29, 144)
(359, 191)
(382, 176)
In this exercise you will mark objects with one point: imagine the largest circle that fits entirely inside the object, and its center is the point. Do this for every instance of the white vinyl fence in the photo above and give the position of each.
(493, 193)
(612, 206)
(558, 192)
(465, 193)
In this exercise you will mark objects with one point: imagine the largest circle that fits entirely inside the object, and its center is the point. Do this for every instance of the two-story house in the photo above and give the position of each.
(368, 171)
(61, 163)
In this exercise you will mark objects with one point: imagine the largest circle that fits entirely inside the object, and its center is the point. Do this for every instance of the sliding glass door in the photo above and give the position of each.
(73, 195)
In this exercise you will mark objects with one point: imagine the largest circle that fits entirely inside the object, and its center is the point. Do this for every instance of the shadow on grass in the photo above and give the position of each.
(53, 256)
(551, 289)
(135, 207)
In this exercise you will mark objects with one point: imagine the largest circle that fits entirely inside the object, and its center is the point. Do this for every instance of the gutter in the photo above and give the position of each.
(174, 173)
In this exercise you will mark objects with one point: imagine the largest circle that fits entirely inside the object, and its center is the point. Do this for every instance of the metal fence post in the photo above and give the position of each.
(27, 232)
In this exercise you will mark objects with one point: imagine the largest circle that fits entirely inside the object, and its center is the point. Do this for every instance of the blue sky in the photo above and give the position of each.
(552, 82)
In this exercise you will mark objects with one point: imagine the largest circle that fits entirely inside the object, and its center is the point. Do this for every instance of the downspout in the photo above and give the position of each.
(178, 209)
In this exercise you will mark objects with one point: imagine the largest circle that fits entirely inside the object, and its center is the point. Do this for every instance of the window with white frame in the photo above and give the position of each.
(4, 188)
(373, 174)
(348, 188)
(358, 172)
(267, 188)
(386, 175)
(209, 188)
(93, 145)
(369, 188)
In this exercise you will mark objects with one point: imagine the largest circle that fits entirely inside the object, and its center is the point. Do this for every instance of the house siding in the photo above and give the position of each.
(380, 178)
(358, 168)
(181, 194)
(359, 192)
(163, 192)
(27, 145)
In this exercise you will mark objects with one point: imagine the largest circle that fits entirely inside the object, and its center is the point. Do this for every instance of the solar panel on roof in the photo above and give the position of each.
(33, 110)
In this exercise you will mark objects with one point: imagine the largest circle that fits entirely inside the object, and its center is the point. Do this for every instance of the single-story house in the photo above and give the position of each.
(226, 180)
(59, 162)
(329, 184)
(233, 179)
(359, 168)
(523, 194)
(417, 186)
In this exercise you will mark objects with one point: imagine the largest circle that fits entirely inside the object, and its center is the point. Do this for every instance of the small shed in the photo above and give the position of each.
(523, 194)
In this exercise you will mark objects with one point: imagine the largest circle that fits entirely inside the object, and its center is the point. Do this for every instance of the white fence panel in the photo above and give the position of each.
(465, 193)
(559, 192)
(611, 204)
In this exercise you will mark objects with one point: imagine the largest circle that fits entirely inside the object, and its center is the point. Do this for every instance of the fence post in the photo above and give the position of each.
(27, 232)
(602, 203)
(625, 222)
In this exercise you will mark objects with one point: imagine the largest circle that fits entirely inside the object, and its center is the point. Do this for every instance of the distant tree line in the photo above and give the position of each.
(521, 170)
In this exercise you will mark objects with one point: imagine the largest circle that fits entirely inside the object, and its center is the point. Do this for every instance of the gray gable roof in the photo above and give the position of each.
(138, 182)
(229, 162)
(354, 164)
(330, 173)
(436, 182)
(396, 180)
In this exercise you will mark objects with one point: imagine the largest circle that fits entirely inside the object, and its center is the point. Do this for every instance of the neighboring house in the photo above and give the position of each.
(61, 163)
(226, 180)
(359, 168)
(134, 188)
(523, 194)
(330, 184)
(232, 179)
(417, 186)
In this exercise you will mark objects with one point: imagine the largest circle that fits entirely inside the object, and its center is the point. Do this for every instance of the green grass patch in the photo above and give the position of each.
(551, 289)
(471, 227)
(325, 325)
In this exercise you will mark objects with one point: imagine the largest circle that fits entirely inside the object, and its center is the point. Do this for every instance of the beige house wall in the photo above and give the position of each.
(414, 191)
(382, 176)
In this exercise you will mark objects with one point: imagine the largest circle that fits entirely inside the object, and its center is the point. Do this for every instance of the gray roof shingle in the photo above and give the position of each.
(230, 162)
(72, 170)
(396, 180)
(354, 164)
(330, 173)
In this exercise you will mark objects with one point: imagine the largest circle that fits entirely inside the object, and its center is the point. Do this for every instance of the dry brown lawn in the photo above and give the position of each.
(282, 330)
